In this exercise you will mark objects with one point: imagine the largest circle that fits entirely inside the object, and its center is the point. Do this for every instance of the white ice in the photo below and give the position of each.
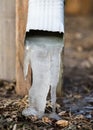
(44, 56)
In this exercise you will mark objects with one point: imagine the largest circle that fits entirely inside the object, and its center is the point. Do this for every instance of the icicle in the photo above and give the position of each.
(43, 53)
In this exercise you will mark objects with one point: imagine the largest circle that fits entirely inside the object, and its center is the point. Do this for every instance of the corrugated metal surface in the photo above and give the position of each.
(47, 15)
(7, 39)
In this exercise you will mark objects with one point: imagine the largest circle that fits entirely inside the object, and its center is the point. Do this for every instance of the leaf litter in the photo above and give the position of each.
(75, 107)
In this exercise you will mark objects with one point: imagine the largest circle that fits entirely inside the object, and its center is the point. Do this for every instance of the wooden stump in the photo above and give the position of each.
(22, 86)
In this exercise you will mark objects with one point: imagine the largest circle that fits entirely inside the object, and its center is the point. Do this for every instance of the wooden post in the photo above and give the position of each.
(22, 86)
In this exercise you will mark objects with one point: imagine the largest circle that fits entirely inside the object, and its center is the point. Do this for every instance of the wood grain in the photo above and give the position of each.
(7, 39)
(22, 86)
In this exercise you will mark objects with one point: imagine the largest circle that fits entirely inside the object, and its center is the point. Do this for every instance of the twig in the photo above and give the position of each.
(15, 126)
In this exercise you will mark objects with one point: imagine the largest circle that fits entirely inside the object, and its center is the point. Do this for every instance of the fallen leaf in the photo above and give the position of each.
(62, 123)
(62, 113)
(46, 120)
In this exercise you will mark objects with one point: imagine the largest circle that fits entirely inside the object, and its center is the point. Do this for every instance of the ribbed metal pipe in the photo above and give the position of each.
(47, 15)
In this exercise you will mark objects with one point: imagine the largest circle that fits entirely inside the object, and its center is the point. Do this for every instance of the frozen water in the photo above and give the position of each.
(43, 53)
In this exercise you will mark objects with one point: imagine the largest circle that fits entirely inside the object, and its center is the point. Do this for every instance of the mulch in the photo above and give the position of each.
(75, 107)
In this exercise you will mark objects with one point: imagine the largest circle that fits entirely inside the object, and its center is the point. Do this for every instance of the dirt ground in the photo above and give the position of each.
(75, 107)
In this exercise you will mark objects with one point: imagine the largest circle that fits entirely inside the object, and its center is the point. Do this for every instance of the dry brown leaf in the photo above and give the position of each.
(62, 123)
(62, 113)
(46, 120)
